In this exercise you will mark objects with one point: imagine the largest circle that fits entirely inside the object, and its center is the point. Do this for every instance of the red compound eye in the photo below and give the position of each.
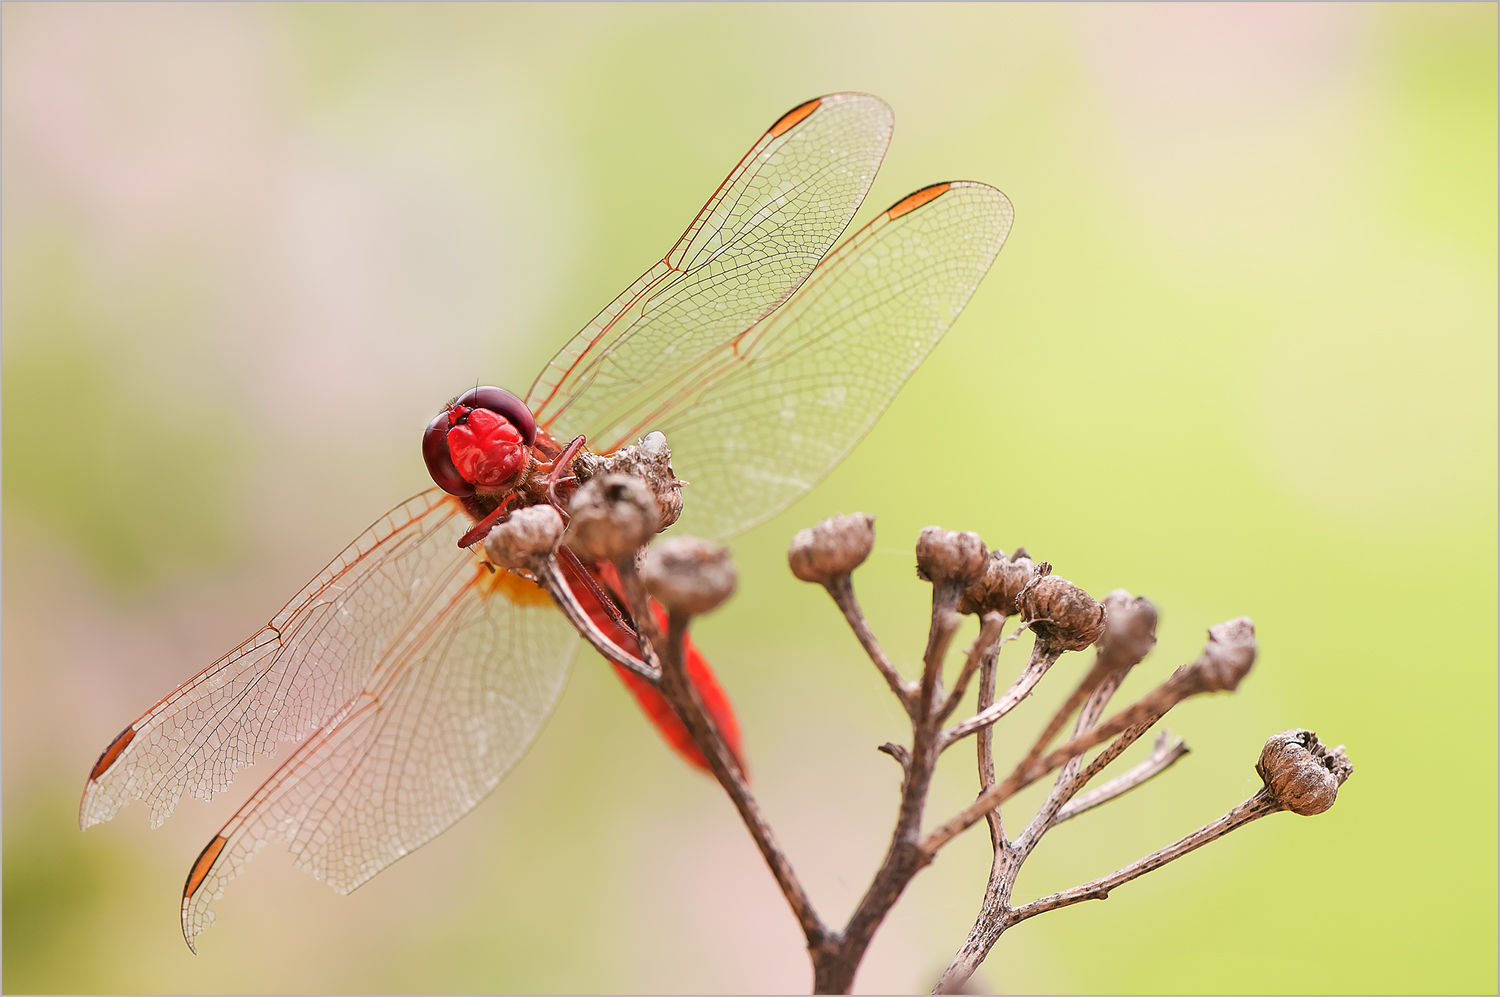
(506, 404)
(482, 440)
(439, 463)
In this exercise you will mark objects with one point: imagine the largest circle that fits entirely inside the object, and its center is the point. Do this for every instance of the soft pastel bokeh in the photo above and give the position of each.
(1239, 355)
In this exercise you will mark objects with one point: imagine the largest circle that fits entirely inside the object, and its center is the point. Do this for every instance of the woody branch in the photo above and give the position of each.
(612, 517)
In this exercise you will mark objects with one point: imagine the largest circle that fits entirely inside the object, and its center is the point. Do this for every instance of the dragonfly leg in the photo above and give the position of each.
(575, 569)
(482, 528)
(559, 466)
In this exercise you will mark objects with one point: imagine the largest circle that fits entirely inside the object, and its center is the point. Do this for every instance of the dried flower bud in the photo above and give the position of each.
(950, 557)
(1227, 657)
(611, 517)
(1061, 613)
(834, 547)
(1302, 774)
(688, 576)
(995, 590)
(649, 461)
(1129, 629)
(526, 537)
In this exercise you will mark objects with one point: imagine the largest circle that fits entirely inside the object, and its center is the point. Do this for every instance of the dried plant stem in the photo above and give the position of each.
(638, 601)
(841, 588)
(1004, 865)
(1154, 704)
(989, 635)
(939, 636)
(1082, 692)
(557, 586)
(688, 577)
(984, 937)
(683, 696)
(1164, 755)
(991, 921)
(668, 673)
(903, 858)
(1069, 780)
(1256, 807)
(1042, 658)
(986, 743)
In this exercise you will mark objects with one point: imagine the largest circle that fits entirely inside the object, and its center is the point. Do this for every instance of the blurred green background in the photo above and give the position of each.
(1238, 355)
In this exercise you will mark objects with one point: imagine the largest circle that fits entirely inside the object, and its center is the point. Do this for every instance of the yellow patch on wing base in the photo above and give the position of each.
(513, 587)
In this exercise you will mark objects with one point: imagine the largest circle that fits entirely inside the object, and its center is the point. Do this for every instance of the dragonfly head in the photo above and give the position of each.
(481, 442)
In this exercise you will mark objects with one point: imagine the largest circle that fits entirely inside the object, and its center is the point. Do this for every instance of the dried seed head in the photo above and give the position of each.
(526, 538)
(1129, 629)
(1061, 614)
(995, 590)
(834, 547)
(1226, 658)
(1302, 774)
(950, 557)
(611, 517)
(649, 461)
(688, 576)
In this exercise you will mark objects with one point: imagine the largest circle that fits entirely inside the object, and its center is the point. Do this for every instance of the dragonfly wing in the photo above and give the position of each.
(293, 676)
(760, 421)
(756, 240)
(441, 720)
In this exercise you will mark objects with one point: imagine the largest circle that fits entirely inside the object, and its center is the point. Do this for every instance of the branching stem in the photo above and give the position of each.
(1256, 807)
(683, 696)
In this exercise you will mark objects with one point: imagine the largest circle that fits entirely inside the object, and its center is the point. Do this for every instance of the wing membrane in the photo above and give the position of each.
(764, 230)
(434, 730)
(759, 421)
(292, 677)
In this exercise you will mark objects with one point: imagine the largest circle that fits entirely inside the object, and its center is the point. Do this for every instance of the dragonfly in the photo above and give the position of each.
(414, 672)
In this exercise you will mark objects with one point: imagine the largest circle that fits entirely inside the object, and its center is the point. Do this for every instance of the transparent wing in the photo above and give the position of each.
(756, 423)
(764, 230)
(292, 677)
(440, 721)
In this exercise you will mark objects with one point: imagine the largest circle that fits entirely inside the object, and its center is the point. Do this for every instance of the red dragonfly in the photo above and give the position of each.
(416, 673)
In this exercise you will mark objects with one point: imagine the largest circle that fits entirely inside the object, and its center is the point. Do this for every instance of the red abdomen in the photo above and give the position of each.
(651, 702)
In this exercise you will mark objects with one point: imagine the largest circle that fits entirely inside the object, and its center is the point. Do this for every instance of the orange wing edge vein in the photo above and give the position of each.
(206, 859)
(915, 200)
(115, 749)
(796, 114)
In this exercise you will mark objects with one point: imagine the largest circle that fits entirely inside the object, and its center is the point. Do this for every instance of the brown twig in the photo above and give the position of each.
(940, 633)
(1203, 676)
(986, 742)
(827, 555)
(683, 696)
(989, 634)
(983, 938)
(903, 858)
(841, 588)
(1091, 681)
(1004, 863)
(1042, 658)
(991, 922)
(552, 580)
(1259, 805)
(639, 602)
(690, 577)
(1068, 780)
(1164, 754)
